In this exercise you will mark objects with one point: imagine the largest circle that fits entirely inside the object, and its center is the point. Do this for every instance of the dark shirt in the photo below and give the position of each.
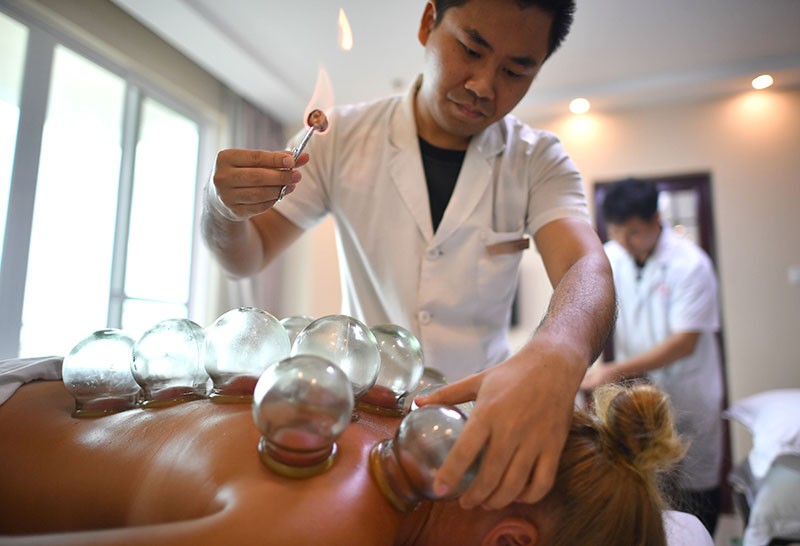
(441, 172)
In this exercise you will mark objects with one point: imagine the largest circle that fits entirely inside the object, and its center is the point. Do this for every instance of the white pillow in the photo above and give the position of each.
(775, 512)
(773, 417)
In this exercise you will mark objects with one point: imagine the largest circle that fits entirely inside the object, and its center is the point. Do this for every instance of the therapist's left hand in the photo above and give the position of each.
(523, 409)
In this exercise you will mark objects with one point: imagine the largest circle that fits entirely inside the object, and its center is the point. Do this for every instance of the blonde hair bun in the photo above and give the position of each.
(639, 424)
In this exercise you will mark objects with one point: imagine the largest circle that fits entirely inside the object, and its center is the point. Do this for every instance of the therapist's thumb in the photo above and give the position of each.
(456, 393)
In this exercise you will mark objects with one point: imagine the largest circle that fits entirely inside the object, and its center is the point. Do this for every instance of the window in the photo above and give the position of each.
(13, 41)
(159, 247)
(103, 219)
(72, 236)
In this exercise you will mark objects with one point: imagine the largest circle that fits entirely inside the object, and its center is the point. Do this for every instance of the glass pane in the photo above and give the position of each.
(162, 211)
(69, 269)
(679, 209)
(13, 44)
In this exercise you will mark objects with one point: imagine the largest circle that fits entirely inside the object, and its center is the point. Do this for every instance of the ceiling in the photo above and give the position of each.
(619, 54)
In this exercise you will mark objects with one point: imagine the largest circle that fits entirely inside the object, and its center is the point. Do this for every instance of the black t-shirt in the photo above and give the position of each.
(441, 172)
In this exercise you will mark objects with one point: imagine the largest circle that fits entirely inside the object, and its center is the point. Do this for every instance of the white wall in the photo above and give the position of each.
(751, 146)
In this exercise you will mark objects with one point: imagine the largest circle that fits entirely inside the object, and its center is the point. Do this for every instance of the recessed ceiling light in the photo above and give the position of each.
(763, 81)
(579, 106)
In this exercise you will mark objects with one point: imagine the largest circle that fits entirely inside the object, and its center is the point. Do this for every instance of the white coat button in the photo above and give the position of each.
(434, 253)
(424, 317)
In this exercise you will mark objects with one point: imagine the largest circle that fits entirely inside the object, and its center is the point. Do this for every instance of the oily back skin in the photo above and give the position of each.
(189, 473)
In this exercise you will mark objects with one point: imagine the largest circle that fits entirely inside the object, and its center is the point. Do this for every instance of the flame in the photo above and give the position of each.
(345, 32)
(322, 98)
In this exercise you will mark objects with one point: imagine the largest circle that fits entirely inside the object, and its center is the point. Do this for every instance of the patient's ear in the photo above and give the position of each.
(512, 532)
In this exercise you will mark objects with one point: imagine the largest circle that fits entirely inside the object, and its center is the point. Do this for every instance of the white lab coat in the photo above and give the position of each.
(444, 286)
(676, 291)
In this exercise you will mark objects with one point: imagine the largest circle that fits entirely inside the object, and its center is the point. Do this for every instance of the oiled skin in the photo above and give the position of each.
(186, 474)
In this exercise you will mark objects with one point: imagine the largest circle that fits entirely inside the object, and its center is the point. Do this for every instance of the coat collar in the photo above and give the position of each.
(664, 246)
(407, 173)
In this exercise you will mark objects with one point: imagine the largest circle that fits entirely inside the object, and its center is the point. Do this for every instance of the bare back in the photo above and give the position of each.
(187, 474)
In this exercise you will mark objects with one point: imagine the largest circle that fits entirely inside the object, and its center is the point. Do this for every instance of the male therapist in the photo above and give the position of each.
(435, 195)
(667, 331)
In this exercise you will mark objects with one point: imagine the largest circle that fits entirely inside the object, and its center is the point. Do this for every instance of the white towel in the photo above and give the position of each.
(16, 372)
(684, 529)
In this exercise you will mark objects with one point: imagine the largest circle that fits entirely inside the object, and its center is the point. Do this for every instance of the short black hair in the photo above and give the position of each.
(630, 198)
(563, 12)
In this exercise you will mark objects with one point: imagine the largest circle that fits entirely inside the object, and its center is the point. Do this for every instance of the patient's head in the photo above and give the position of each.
(606, 490)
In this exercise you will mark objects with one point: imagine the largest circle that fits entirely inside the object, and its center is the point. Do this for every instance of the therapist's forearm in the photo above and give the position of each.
(673, 348)
(236, 245)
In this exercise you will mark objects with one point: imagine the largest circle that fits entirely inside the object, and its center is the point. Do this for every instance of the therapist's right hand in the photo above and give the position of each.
(247, 183)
